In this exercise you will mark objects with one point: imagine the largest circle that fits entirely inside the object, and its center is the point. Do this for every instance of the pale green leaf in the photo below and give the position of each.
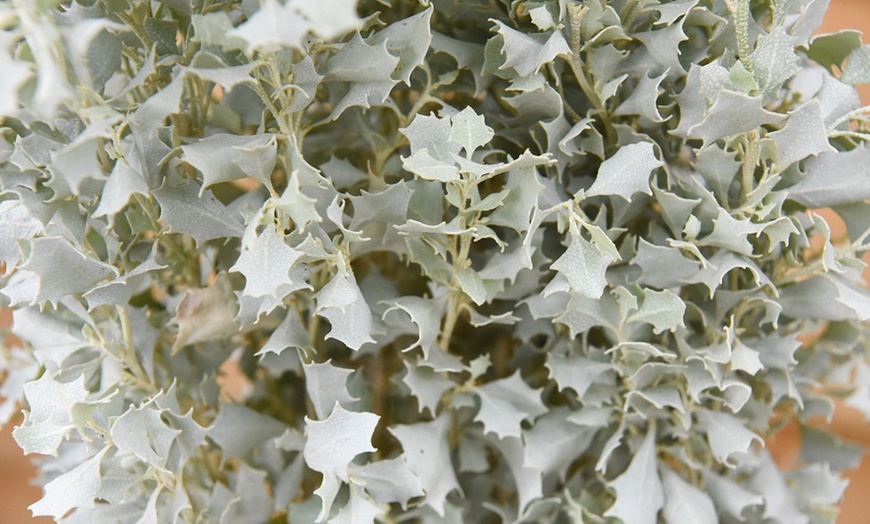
(580, 314)
(732, 233)
(857, 70)
(253, 503)
(62, 269)
(368, 86)
(50, 418)
(213, 28)
(426, 314)
(376, 213)
(334, 442)
(266, 266)
(388, 481)
(576, 372)
(360, 509)
(804, 134)
(831, 49)
(744, 358)
(663, 46)
(223, 158)
(203, 218)
(820, 189)
(523, 187)
(727, 435)
(472, 285)
(76, 488)
(685, 502)
(16, 223)
(123, 183)
(427, 454)
(469, 130)
(427, 385)
(427, 167)
(584, 266)
(142, 432)
(553, 442)
(299, 207)
(408, 39)
(238, 429)
(122, 288)
(15, 74)
(639, 491)
(774, 60)
(505, 403)
(542, 18)
(730, 498)
(669, 13)
(289, 334)
(780, 502)
(343, 305)
(275, 25)
(642, 100)
(528, 480)
(627, 172)
(662, 309)
(211, 69)
(528, 53)
(731, 114)
(663, 267)
(326, 385)
(431, 133)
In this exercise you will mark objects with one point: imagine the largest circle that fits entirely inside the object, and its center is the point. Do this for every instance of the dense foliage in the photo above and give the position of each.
(466, 261)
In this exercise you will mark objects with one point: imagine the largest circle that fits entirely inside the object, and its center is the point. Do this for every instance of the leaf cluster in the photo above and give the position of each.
(436, 261)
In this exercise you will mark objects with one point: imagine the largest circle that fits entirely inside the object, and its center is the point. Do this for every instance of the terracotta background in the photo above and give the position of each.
(16, 493)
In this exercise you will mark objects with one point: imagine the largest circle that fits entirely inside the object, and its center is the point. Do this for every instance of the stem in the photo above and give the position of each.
(818, 265)
(192, 272)
(137, 28)
(750, 161)
(453, 307)
(456, 297)
(576, 14)
(848, 116)
(629, 13)
(270, 105)
(583, 82)
(278, 84)
(851, 134)
(741, 14)
(568, 109)
(128, 353)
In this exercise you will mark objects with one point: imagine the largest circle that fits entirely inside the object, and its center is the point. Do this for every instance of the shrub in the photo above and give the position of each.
(466, 261)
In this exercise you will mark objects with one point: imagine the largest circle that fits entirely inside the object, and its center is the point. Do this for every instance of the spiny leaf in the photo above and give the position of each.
(76, 488)
(684, 501)
(505, 403)
(142, 431)
(584, 265)
(662, 309)
(202, 217)
(342, 303)
(334, 442)
(469, 130)
(627, 172)
(639, 492)
(266, 266)
(238, 430)
(327, 386)
(428, 456)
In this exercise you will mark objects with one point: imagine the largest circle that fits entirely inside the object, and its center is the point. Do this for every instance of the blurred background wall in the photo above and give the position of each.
(16, 492)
